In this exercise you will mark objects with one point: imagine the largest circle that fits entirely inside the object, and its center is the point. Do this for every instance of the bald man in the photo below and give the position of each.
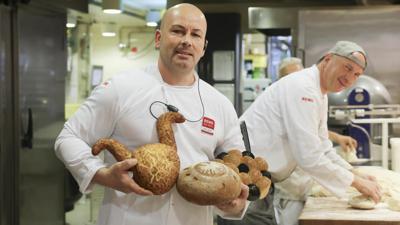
(289, 65)
(126, 108)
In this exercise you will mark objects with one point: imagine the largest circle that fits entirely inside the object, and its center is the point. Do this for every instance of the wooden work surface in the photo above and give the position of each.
(333, 211)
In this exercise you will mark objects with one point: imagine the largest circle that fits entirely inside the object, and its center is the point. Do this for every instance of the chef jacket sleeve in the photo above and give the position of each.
(301, 112)
(333, 156)
(95, 119)
(328, 146)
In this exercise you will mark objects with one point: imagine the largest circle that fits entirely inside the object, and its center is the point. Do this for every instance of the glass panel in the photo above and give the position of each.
(42, 68)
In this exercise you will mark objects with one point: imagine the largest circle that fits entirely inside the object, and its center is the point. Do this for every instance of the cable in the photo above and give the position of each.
(362, 129)
(173, 108)
(170, 108)
(201, 101)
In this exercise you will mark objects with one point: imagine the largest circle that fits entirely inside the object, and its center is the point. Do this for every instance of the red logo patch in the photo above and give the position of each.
(208, 126)
(307, 99)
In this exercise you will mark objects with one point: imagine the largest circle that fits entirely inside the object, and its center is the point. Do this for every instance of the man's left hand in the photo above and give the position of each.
(346, 142)
(235, 206)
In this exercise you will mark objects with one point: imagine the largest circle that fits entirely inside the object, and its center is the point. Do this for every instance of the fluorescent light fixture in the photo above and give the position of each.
(152, 18)
(151, 24)
(108, 30)
(70, 25)
(71, 22)
(108, 34)
(112, 6)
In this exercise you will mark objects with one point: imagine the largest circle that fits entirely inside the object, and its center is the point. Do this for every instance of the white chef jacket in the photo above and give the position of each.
(295, 187)
(287, 125)
(120, 109)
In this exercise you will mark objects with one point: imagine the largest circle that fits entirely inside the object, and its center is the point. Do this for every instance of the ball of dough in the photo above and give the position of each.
(361, 202)
(233, 158)
(263, 184)
(235, 152)
(250, 162)
(255, 175)
(262, 165)
(394, 203)
(245, 178)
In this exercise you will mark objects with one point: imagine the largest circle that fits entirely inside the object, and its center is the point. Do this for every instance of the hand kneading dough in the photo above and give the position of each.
(349, 155)
(362, 202)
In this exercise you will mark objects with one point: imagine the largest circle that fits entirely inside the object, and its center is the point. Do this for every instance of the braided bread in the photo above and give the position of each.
(252, 171)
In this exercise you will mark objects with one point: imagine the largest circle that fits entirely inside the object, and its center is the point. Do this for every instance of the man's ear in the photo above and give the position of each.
(205, 45)
(157, 38)
(204, 48)
(328, 56)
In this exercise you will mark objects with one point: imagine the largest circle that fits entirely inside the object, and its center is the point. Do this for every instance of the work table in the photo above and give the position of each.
(334, 211)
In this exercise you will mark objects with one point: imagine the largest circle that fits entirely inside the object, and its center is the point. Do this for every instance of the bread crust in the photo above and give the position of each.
(158, 164)
(209, 183)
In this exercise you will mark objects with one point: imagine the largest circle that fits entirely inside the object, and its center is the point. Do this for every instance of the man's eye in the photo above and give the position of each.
(177, 31)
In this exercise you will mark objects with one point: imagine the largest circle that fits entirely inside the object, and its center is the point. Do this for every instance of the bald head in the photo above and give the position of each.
(289, 65)
(181, 40)
(184, 11)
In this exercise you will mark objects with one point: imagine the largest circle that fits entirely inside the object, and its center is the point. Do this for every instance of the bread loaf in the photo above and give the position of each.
(209, 183)
(158, 164)
(252, 171)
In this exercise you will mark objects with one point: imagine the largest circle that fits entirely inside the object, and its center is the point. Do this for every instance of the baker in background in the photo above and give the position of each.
(287, 124)
(126, 109)
(291, 193)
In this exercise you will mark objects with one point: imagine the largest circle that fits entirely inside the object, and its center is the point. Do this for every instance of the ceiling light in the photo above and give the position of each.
(152, 18)
(108, 30)
(112, 6)
(71, 22)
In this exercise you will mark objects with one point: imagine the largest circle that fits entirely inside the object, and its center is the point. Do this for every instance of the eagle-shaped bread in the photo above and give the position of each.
(158, 164)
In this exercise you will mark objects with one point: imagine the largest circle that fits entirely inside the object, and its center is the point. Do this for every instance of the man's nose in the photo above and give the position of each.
(186, 40)
(351, 79)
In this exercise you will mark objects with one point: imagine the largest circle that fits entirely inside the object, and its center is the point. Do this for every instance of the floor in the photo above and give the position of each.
(86, 209)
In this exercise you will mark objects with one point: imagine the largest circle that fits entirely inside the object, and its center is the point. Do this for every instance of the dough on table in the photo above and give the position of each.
(350, 155)
(393, 203)
(361, 202)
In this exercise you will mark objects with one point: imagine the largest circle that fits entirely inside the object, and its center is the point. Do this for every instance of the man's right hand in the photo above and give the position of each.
(117, 177)
(367, 187)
